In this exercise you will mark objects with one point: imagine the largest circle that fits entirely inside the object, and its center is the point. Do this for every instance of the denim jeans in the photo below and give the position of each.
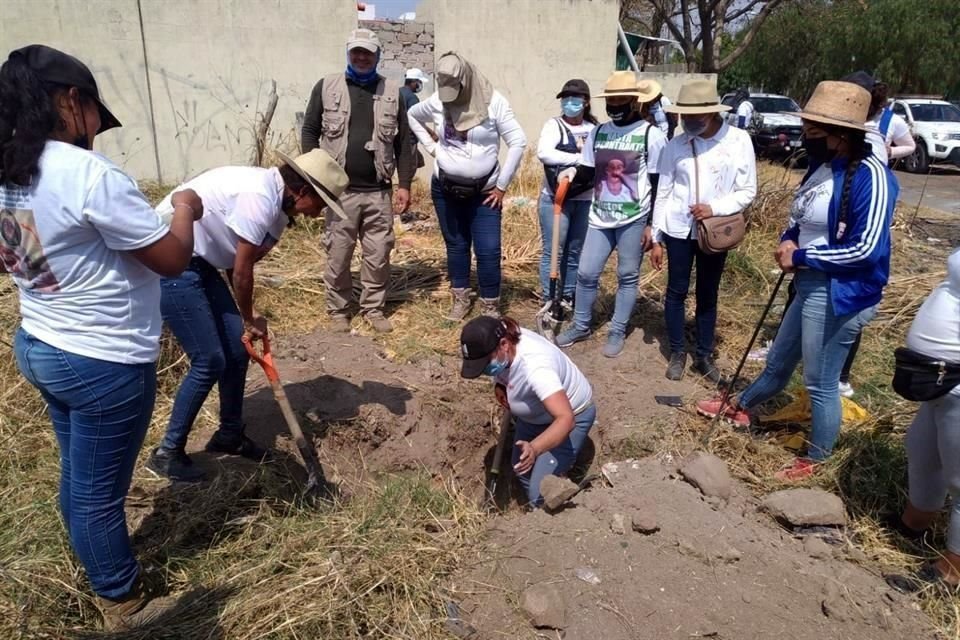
(811, 333)
(201, 313)
(558, 460)
(682, 254)
(465, 225)
(600, 243)
(854, 348)
(573, 229)
(100, 412)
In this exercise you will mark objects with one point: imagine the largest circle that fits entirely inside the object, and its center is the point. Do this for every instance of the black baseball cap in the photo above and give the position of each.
(861, 78)
(57, 67)
(478, 340)
(575, 87)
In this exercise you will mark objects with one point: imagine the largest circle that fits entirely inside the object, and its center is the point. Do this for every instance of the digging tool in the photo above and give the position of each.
(729, 387)
(505, 419)
(551, 314)
(317, 484)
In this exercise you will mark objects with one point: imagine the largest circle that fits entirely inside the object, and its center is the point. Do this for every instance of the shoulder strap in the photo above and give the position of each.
(885, 121)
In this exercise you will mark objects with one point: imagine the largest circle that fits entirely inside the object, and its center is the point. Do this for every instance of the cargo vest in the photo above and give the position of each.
(336, 121)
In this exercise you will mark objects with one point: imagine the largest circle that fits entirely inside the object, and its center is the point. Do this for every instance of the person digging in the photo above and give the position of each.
(247, 210)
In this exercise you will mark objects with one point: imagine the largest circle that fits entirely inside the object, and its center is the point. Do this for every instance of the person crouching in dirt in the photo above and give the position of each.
(549, 397)
(248, 209)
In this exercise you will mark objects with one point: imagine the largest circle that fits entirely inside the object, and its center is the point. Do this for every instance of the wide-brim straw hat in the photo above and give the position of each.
(697, 96)
(322, 173)
(841, 104)
(624, 83)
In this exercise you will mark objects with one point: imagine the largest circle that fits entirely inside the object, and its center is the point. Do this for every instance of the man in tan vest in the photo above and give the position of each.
(359, 118)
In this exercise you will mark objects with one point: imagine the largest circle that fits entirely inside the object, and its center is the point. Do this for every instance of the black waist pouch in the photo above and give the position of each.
(920, 378)
(460, 188)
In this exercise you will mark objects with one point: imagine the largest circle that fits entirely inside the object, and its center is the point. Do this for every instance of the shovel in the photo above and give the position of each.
(505, 419)
(317, 484)
(551, 314)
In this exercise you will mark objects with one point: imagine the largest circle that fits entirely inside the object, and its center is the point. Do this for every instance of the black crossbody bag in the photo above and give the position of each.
(920, 378)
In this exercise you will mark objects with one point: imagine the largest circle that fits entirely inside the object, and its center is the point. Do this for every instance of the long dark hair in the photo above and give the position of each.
(28, 115)
(588, 113)
(859, 150)
(878, 99)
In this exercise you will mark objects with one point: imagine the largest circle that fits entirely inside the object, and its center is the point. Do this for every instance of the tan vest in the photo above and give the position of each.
(336, 118)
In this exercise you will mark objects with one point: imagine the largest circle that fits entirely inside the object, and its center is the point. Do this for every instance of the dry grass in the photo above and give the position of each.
(256, 565)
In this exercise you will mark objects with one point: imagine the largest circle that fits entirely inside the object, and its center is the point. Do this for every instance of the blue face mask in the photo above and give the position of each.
(495, 367)
(572, 106)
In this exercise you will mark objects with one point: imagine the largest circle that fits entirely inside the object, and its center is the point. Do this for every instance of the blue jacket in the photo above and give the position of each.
(858, 261)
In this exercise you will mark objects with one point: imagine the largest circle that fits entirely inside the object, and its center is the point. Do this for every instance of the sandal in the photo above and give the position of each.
(924, 578)
(894, 522)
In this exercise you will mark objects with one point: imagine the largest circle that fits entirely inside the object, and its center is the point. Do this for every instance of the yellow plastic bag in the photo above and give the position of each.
(798, 411)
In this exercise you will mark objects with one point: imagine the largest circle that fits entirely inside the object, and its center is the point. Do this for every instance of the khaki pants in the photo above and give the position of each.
(369, 219)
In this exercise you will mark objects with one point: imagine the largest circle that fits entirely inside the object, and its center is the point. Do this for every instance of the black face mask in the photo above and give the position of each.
(620, 113)
(817, 149)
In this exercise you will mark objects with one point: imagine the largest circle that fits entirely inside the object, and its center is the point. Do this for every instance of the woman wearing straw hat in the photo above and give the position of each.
(248, 209)
(470, 118)
(620, 161)
(838, 247)
(708, 170)
(547, 394)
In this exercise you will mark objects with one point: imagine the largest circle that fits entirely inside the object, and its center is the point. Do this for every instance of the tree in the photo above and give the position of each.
(702, 26)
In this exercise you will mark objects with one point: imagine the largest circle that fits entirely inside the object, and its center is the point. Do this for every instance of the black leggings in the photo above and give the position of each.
(848, 364)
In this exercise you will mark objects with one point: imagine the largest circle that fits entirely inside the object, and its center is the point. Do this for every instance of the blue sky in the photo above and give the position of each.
(393, 8)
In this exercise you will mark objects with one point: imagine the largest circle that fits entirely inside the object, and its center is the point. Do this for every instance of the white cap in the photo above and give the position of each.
(417, 74)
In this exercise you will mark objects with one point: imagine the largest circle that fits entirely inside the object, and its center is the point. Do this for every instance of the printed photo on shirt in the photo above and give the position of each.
(619, 162)
(22, 253)
(455, 140)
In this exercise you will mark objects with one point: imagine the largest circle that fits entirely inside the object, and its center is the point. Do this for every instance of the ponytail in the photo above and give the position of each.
(859, 149)
(878, 99)
(27, 118)
(512, 328)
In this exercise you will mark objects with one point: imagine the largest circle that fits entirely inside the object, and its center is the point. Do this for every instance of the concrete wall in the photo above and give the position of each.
(529, 48)
(405, 45)
(210, 65)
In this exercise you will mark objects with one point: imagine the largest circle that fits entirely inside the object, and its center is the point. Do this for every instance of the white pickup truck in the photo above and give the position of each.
(935, 125)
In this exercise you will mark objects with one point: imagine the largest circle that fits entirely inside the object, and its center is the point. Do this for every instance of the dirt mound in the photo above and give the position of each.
(710, 569)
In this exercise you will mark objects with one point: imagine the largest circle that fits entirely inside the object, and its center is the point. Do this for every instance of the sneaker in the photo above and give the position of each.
(461, 304)
(379, 321)
(707, 368)
(340, 323)
(678, 362)
(490, 307)
(134, 610)
(572, 335)
(244, 447)
(175, 465)
(846, 390)
(710, 409)
(614, 346)
(800, 469)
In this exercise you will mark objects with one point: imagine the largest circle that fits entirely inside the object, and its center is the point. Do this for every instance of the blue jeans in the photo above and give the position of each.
(100, 412)
(812, 333)
(600, 243)
(201, 313)
(682, 254)
(467, 224)
(573, 230)
(558, 460)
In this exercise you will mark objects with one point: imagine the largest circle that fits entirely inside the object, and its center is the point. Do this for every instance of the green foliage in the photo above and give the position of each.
(913, 46)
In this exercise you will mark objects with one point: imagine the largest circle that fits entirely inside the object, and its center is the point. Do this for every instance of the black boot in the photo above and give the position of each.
(707, 368)
(242, 446)
(175, 465)
(678, 362)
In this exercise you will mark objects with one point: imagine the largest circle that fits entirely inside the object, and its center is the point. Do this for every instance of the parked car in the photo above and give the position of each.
(935, 125)
(774, 131)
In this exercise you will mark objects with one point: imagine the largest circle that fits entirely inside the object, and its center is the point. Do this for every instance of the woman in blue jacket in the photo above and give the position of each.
(838, 248)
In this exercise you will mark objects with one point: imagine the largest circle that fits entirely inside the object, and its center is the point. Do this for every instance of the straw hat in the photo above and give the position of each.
(841, 104)
(323, 173)
(697, 96)
(624, 83)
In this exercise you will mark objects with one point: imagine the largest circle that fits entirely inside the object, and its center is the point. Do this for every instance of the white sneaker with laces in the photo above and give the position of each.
(846, 390)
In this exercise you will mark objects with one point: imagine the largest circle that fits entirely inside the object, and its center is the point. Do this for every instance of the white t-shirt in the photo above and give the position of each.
(473, 153)
(66, 241)
(549, 155)
(539, 370)
(238, 202)
(897, 129)
(728, 179)
(623, 158)
(935, 331)
(744, 111)
(811, 206)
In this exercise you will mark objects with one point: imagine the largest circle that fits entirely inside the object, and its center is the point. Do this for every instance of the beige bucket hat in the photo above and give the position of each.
(624, 83)
(697, 96)
(323, 173)
(841, 104)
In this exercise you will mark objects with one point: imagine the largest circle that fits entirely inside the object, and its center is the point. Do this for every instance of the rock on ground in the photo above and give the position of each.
(806, 508)
(708, 473)
(645, 522)
(544, 607)
(817, 548)
(556, 491)
(618, 524)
